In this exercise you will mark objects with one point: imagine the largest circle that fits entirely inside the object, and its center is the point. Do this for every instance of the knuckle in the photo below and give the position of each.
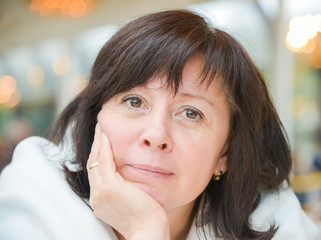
(98, 196)
(91, 156)
(94, 200)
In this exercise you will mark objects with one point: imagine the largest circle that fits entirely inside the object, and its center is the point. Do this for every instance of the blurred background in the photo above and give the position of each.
(47, 48)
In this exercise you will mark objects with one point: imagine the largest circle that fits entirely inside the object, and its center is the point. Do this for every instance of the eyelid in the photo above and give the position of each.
(194, 109)
(130, 96)
(182, 109)
(127, 97)
(200, 117)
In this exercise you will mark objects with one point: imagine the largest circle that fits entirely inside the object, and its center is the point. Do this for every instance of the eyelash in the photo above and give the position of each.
(199, 116)
(126, 98)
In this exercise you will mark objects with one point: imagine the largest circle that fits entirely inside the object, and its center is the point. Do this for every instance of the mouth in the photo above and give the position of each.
(150, 171)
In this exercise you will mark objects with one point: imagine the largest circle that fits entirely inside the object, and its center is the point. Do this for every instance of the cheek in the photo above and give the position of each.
(120, 132)
(198, 172)
(199, 158)
(112, 123)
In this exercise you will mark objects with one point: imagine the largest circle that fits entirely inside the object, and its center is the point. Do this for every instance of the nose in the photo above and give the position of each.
(156, 137)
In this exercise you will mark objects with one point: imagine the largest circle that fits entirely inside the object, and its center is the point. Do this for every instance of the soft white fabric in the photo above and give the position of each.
(283, 210)
(37, 203)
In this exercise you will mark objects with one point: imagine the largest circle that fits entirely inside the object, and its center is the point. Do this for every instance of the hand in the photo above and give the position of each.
(117, 202)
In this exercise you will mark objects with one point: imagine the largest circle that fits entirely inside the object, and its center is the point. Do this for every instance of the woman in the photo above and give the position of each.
(175, 137)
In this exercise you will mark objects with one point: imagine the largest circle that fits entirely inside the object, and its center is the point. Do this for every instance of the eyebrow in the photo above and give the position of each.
(189, 95)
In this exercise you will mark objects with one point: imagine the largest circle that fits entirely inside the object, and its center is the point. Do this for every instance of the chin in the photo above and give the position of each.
(151, 191)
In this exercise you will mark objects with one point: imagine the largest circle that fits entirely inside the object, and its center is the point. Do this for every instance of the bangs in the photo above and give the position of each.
(155, 46)
(159, 46)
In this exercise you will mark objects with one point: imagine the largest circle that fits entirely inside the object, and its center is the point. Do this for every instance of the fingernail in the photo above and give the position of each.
(104, 136)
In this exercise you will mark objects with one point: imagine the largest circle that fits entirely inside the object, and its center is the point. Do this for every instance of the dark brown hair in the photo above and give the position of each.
(160, 44)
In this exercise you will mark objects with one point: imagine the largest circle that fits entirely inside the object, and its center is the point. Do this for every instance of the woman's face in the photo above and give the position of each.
(169, 145)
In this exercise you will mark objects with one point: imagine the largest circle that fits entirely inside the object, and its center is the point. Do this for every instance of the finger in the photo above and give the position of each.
(95, 148)
(94, 161)
(108, 167)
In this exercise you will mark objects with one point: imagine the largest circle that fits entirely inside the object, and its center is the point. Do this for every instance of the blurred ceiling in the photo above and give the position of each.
(19, 25)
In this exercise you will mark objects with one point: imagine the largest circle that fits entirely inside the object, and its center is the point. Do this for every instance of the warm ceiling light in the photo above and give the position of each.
(74, 8)
(14, 99)
(7, 87)
(301, 31)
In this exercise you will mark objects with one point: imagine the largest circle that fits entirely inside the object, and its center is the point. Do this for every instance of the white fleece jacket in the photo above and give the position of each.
(37, 203)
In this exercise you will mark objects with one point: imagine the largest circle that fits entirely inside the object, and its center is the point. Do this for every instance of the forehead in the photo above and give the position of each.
(192, 81)
(191, 90)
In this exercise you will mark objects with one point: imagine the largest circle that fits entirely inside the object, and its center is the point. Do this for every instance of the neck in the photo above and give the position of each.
(180, 220)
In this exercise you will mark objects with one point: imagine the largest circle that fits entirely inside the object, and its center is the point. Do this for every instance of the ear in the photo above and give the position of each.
(221, 164)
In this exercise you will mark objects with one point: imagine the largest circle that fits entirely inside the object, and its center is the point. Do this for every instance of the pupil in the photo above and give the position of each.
(135, 103)
(191, 114)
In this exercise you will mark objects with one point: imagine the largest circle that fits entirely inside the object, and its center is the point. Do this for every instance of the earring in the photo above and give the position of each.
(218, 176)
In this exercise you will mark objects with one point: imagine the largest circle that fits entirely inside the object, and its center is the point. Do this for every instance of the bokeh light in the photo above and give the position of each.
(7, 88)
(61, 65)
(14, 99)
(302, 30)
(36, 75)
(78, 83)
(74, 8)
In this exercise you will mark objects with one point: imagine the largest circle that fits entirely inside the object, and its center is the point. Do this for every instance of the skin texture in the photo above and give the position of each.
(157, 151)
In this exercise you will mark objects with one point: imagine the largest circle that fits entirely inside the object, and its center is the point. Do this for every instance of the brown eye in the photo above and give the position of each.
(135, 102)
(191, 114)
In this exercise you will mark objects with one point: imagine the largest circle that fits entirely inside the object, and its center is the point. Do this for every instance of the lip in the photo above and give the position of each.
(151, 171)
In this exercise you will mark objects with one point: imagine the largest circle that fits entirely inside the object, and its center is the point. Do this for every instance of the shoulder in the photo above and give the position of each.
(40, 152)
(34, 148)
(282, 209)
(31, 172)
(33, 141)
(33, 158)
(36, 199)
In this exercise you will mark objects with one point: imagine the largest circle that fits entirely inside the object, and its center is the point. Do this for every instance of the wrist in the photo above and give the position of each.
(156, 231)
(151, 234)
